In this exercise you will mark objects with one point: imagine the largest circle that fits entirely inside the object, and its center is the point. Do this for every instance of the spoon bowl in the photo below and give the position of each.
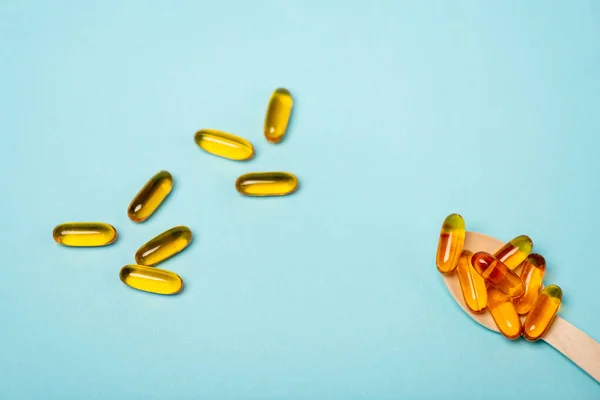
(574, 344)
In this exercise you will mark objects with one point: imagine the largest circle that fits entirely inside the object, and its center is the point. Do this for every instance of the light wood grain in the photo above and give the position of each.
(575, 345)
(578, 347)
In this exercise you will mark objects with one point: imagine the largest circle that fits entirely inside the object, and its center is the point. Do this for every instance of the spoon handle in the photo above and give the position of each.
(575, 345)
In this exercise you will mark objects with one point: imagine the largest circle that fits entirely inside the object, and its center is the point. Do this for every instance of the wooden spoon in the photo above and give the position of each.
(564, 337)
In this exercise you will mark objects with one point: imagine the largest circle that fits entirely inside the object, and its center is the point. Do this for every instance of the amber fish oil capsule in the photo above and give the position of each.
(150, 197)
(450, 244)
(504, 314)
(153, 280)
(224, 144)
(84, 234)
(278, 115)
(542, 313)
(471, 283)
(497, 274)
(532, 274)
(163, 246)
(513, 253)
(267, 184)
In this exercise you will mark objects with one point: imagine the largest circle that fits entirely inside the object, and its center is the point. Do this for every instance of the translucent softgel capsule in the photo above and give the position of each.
(224, 144)
(471, 283)
(153, 280)
(450, 245)
(150, 197)
(84, 234)
(267, 184)
(542, 313)
(514, 252)
(497, 274)
(504, 313)
(532, 274)
(165, 245)
(278, 115)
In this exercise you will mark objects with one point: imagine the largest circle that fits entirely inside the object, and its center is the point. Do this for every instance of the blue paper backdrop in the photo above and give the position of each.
(405, 112)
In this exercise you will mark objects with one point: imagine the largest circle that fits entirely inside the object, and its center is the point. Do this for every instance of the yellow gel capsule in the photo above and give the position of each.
(165, 245)
(150, 197)
(224, 144)
(84, 234)
(532, 275)
(450, 245)
(278, 115)
(542, 313)
(153, 280)
(267, 184)
(504, 313)
(497, 274)
(513, 253)
(471, 283)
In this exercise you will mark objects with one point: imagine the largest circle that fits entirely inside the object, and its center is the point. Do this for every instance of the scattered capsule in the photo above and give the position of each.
(450, 245)
(163, 246)
(497, 274)
(471, 283)
(513, 253)
(532, 275)
(84, 234)
(267, 184)
(154, 192)
(278, 115)
(153, 280)
(542, 313)
(504, 313)
(224, 144)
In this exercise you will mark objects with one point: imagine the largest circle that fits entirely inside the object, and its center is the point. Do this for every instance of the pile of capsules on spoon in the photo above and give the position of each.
(507, 283)
(142, 275)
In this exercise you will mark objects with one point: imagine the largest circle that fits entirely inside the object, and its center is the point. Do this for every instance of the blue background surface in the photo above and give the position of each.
(404, 112)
